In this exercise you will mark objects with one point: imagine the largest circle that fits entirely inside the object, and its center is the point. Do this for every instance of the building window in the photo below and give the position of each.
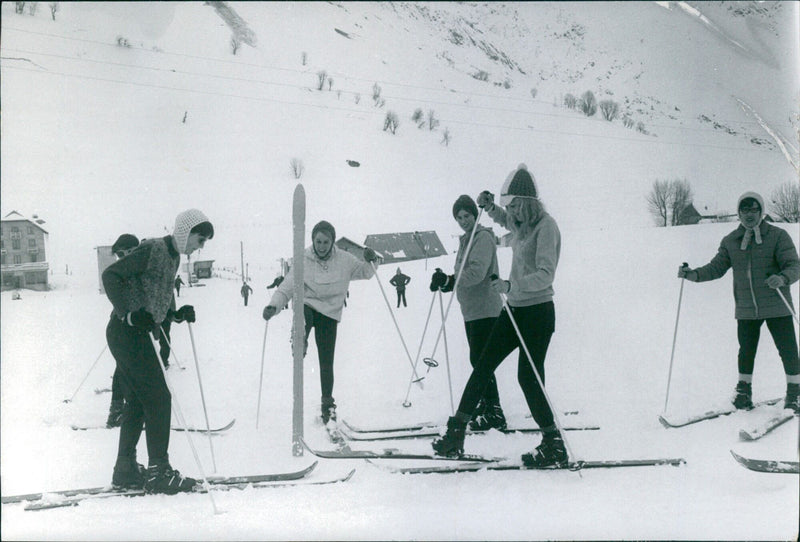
(15, 244)
(15, 232)
(17, 259)
(30, 230)
(31, 243)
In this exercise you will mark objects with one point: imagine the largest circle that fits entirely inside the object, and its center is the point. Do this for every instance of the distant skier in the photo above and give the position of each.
(178, 283)
(139, 287)
(480, 304)
(246, 291)
(399, 281)
(123, 246)
(327, 272)
(765, 262)
(536, 246)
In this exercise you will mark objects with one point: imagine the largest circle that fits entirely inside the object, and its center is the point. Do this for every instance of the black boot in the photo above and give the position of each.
(551, 453)
(743, 399)
(452, 443)
(792, 400)
(115, 413)
(328, 410)
(492, 418)
(128, 474)
(162, 478)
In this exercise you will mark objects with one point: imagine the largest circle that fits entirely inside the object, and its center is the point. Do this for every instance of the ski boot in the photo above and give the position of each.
(743, 400)
(792, 401)
(328, 410)
(162, 478)
(452, 443)
(128, 474)
(492, 418)
(551, 452)
(115, 413)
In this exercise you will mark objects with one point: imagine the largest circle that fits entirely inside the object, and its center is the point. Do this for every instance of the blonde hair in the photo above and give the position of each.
(531, 211)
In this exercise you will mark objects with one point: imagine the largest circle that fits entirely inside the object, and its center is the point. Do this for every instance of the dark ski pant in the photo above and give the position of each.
(478, 332)
(325, 337)
(147, 398)
(536, 324)
(782, 330)
(401, 296)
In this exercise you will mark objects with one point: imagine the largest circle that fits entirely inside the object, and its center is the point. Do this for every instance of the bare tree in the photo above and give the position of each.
(627, 122)
(321, 76)
(391, 122)
(534, 92)
(19, 7)
(588, 103)
(303, 58)
(54, 7)
(446, 137)
(681, 197)
(297, 167)
(658, 202)
(330, 83)
(418, 117)
(786, 202)
(357, 97)
(32, 7)
(570, 101)
(432, 121)
(609, 109)
(376, 93)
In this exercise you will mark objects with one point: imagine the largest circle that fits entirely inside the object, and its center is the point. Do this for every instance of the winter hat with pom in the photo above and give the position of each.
(324, 226)
(519, 184)
(754, 232)
(184, 223)
(465, 203)
(126, 241)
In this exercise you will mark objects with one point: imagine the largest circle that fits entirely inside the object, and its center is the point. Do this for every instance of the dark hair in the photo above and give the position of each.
(205, 229)
(748, 202)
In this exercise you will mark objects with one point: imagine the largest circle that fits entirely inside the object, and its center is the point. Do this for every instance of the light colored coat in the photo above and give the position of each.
(475, 295)
(326, 281)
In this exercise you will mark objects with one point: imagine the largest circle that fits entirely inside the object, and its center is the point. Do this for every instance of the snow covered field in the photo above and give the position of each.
(100, 139)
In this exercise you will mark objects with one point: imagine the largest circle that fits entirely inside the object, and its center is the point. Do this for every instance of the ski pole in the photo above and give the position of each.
(389, 306)
(536, 373)
(447, 357)
(202, 395)
(261, 377)
(455, 285)
(176, 408)
(87, 374)
(406, 402)
(788, 306)
(674, 338)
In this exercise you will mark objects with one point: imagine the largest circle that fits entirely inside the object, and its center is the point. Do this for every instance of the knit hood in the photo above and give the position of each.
(184, 223)
(755, 232)
(519, 183)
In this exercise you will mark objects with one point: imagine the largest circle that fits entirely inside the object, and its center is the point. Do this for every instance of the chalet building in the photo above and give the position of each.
(23, 252)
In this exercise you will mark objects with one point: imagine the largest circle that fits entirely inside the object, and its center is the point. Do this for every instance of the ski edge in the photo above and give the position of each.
(767, 465)
(369, 454)
(573, 466)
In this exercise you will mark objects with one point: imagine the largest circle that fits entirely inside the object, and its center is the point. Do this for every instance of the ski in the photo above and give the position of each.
(298, 318)
(98, 391)
(222, 429)
(214, 480)
(74, 501)
(436, 431)
(351, 428)
(758, 431)
(393, 453)
(677, 421)
(574, 466)
(766, 465)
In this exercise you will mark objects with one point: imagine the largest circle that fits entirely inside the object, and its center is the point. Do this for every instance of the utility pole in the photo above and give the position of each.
(241, 250)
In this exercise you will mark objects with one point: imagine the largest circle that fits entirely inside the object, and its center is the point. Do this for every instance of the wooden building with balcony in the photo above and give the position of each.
(23, 252)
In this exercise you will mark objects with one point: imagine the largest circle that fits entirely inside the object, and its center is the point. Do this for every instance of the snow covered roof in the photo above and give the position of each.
(16, 216)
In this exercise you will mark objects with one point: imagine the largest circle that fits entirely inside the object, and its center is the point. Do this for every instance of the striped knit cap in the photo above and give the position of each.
(184, 223)
(519, 184)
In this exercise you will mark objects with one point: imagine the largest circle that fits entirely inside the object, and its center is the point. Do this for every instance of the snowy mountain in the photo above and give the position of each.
(117, 116)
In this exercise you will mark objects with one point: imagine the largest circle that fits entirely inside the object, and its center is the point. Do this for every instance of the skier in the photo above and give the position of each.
(139, 287)
(178, 283)
(327, 273)
(765, 262)
(246, 291)
(399, 281)
(123, 246)
(536, 246)
(480, 304)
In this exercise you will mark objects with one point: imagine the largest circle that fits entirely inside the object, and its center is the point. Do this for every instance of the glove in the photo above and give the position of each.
(485, 199)
(438, 279)
(184, 314)
(685, 272)
(776, 281)
(500, 286)
(370, 255)
(141, 319)
(269, 312)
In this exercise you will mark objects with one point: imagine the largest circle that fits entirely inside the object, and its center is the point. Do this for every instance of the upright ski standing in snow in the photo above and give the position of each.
(298, 326)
